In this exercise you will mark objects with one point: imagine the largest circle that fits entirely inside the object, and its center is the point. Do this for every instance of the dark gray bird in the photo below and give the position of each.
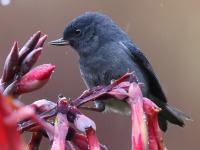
(106, 53)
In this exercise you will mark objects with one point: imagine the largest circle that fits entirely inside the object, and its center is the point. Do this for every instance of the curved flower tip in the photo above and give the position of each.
(118, 93)
(43, 105)
(150, 108)
(34, 79)
(82, 122)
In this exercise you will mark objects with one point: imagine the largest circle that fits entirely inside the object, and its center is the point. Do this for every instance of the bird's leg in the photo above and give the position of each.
(91, 108)
(99, 106)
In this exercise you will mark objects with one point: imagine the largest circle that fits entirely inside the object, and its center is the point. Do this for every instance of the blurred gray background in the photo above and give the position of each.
(168, 33)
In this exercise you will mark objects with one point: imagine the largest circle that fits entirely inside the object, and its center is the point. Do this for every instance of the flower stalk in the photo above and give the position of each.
(20, 77)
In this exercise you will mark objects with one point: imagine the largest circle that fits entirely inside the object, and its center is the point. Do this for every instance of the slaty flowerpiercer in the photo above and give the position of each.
(106, 53)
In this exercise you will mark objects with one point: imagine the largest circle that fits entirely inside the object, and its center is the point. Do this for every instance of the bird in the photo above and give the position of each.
(106, 53)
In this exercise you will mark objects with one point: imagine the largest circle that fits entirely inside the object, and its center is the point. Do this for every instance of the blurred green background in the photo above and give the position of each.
(168, 33)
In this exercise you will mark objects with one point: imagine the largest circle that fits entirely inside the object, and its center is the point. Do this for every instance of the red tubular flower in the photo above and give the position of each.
(139, 128)
(34, 79)
(92, 139)
(10, 138)
(154, 133)
(61, 128)
(80, 141)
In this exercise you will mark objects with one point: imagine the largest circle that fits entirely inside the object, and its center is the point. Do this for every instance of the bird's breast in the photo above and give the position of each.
(101, 70)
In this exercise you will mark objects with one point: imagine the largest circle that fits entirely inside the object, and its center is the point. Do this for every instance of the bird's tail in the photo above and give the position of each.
(169, 113)
(173, 115)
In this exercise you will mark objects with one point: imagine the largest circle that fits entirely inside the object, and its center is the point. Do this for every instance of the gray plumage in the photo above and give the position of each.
(106, 53)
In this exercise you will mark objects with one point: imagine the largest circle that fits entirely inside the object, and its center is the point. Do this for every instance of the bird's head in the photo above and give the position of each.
(88, 32)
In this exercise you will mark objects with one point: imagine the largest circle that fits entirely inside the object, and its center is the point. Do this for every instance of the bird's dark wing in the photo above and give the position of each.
(136, 54)
(169, 113)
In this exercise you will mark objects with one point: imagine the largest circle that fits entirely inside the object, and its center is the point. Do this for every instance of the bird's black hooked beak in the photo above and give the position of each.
(59, 42)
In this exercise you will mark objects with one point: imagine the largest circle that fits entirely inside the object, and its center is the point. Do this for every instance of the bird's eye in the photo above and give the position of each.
(77, 31)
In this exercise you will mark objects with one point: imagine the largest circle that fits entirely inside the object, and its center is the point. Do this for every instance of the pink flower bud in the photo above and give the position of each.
(10, 89)
(29, 46)
(41, 41)
(34, 79)
(30, 60)
(10, 64)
